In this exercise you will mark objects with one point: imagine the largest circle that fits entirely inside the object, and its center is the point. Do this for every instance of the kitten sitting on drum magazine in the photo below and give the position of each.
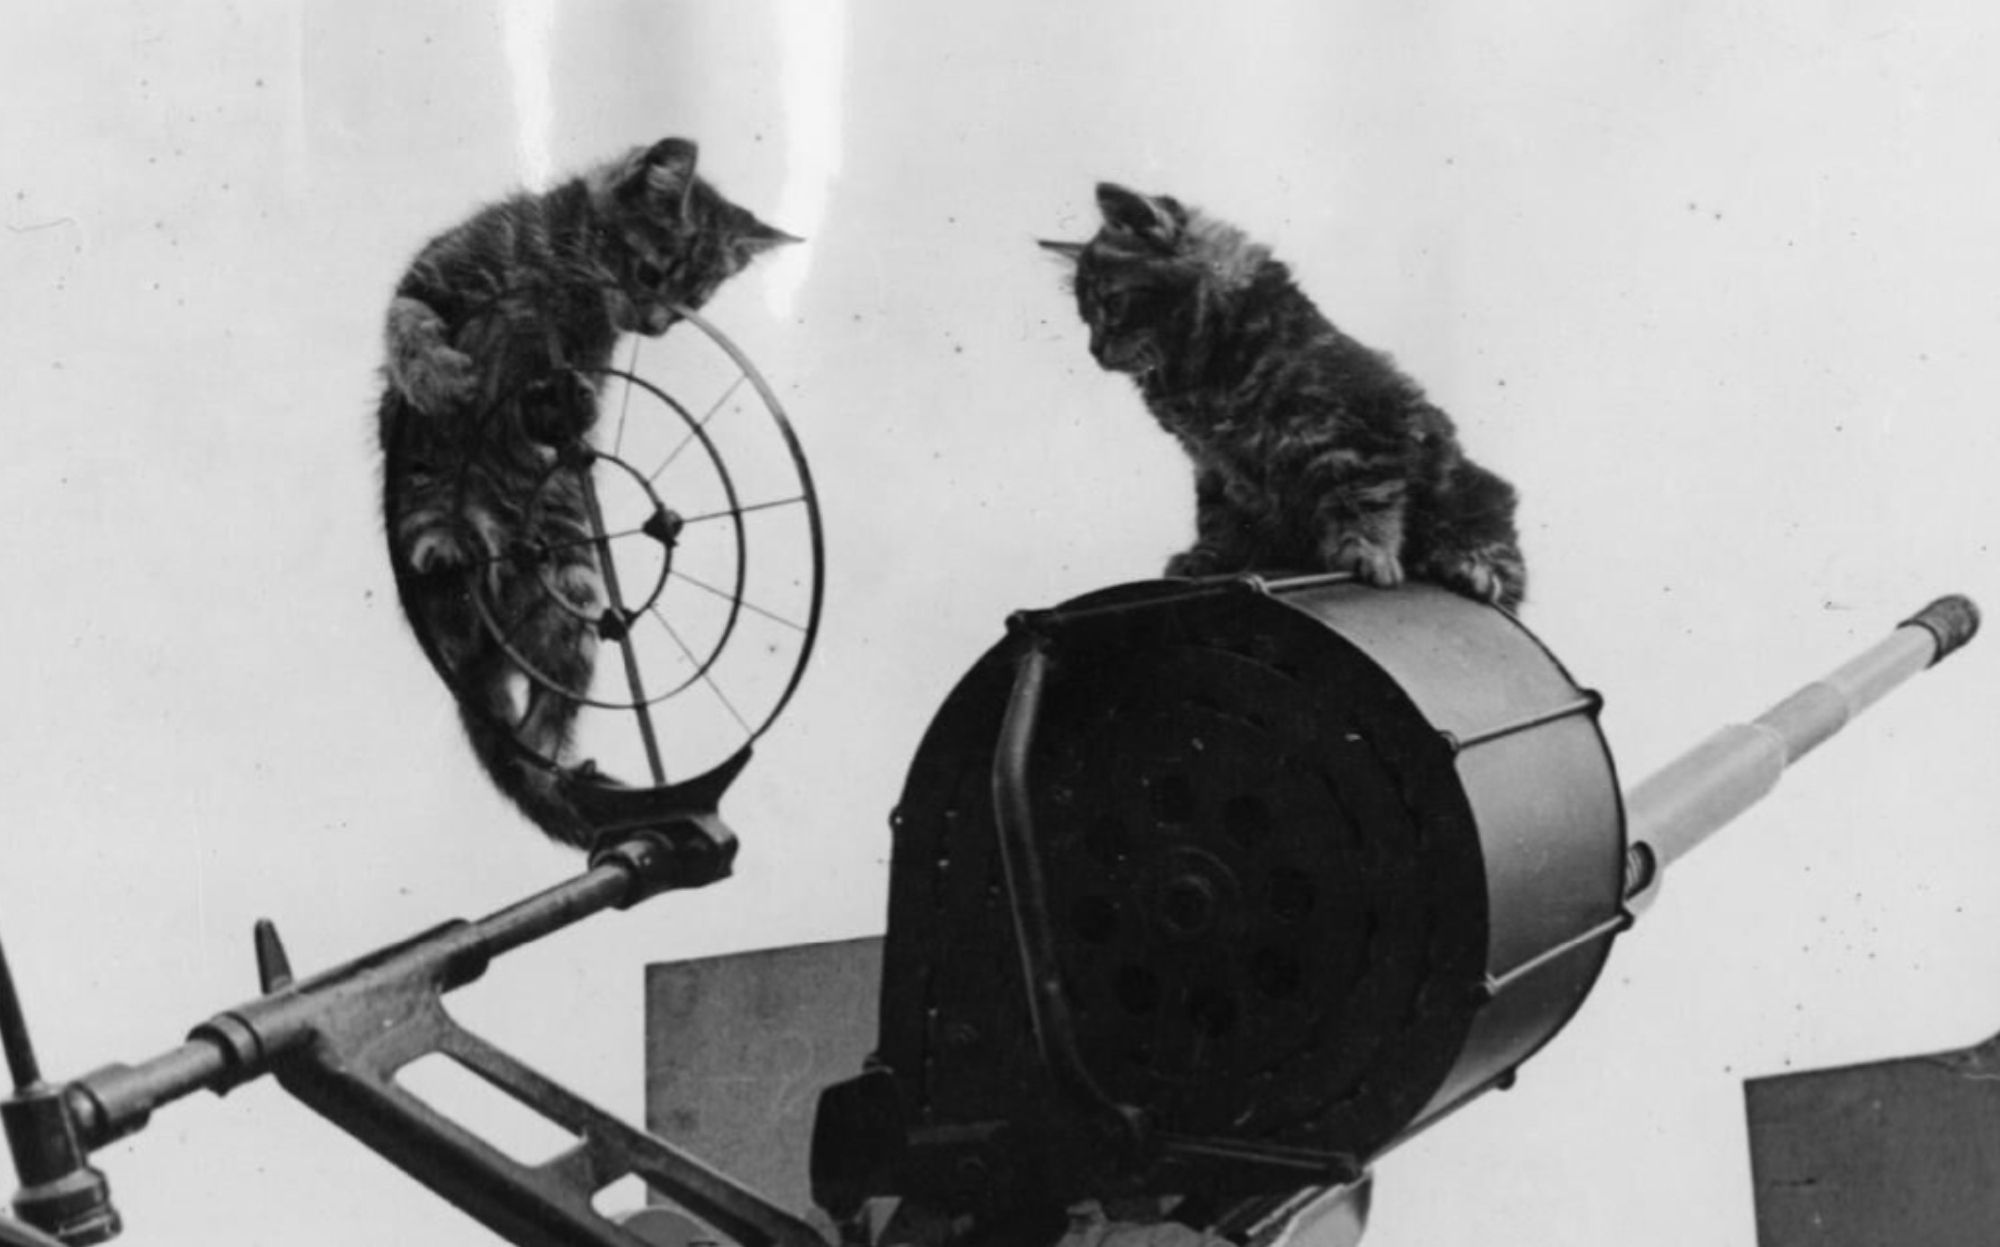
(1311, 451)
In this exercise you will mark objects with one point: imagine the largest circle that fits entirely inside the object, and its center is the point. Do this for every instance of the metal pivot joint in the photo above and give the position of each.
(60, 1193)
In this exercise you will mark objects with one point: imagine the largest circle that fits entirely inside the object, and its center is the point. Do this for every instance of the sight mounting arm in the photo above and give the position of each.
(337, 1040)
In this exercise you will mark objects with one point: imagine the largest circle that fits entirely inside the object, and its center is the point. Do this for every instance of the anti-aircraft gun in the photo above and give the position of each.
(1205, 896)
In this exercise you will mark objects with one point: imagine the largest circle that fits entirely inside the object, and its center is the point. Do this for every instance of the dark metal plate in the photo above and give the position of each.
(1903, 1152)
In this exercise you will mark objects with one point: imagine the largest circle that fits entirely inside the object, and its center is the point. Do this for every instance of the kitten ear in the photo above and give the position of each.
(1071, 251)
(668, 169)
(673, 156)
(757, 237)
(1156, 219)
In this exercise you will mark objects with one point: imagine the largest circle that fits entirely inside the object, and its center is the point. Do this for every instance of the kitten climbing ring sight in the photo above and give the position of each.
(683, 535)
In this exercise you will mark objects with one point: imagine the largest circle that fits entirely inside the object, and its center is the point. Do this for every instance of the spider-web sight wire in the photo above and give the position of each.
(702, 423)
(706, 678)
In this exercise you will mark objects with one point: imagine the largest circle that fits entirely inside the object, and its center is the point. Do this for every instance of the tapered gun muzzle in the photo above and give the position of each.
(1691, 798)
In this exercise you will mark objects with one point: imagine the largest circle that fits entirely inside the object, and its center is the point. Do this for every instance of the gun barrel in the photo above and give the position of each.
(1692, 797)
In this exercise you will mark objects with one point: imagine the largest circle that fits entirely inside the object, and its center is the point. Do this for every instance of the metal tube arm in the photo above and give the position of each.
(1676, 808)
(337, 1041)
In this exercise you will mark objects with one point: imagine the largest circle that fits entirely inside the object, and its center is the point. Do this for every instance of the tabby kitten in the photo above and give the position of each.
(496, 337)
(1311, 451)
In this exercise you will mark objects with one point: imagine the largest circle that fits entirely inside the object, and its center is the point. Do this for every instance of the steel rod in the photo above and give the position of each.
(1675, 809)
(633, 680)
(112, 1102)
(526, 921)
(14, 1032)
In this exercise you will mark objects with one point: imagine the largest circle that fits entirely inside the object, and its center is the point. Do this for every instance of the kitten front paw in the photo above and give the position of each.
(587, 773)
(579, 585)
(558, 410)
(1494, 576)
(438, 550)
(436, 378)
(1479, 582)
(1371, 563)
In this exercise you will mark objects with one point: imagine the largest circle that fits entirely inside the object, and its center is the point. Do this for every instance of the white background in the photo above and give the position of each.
(1715, 284)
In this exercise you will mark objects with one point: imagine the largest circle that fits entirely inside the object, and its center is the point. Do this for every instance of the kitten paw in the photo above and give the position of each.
(436, 378)
(1370, 563)
(438, 550)
(1496, 579)
(579, 585)
(1477, 580)
(587, 772)
(558, 410)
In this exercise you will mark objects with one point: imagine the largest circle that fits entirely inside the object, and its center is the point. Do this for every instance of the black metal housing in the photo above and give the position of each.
(1224, 888)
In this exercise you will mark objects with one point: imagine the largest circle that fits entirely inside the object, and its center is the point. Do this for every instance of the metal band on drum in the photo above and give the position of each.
(1536, 773)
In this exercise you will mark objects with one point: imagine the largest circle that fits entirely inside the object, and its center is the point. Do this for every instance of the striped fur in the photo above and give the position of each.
(1311, 451)
(494, 338)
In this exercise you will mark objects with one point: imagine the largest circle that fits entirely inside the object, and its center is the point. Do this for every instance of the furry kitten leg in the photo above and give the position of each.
(523, 744)
(421, 361)
(563, 648)
(482, 680)
(1225, 536)
(538, 790)
(1360, 529)
(1487, 574)
(1468, 543)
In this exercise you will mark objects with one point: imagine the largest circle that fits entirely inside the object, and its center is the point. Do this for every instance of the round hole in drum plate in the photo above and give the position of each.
(1137, 989)
(1246, 820)
(1094, 919)
(1212, 1010)
(1107, 841)
(1187, 905)
(1292, 894)
(1276, 972)
(1173, 798)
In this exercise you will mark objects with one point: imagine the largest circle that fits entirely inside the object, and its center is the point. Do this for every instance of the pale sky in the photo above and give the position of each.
(1716, 285)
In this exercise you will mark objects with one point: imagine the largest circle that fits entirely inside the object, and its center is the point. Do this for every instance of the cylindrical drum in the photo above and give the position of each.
(1319, 861)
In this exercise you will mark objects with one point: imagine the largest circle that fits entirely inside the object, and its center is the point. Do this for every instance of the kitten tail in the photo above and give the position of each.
(541, 792)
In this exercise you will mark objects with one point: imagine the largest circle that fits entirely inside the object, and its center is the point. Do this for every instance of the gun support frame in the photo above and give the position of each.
(337, 1041)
